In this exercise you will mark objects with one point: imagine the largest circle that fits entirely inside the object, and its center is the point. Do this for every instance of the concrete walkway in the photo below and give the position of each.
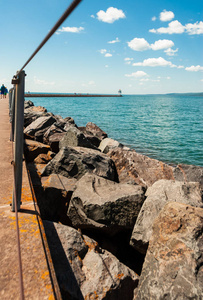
(38, 277)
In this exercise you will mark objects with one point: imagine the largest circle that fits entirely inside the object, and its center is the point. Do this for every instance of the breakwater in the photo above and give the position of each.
(68, 95)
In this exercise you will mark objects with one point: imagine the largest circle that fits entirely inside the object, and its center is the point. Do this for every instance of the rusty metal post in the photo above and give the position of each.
(18, 139)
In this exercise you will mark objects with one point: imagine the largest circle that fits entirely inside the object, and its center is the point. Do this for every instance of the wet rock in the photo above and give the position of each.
(99, 203)
(173, 267)
(54, 199)
(136, 168)
(75, 138)
(33, 148)
(75, 162)
(160, 193)
(107, 144)
(84, 270)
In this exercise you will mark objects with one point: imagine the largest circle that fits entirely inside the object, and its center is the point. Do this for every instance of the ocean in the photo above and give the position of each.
(165, 127)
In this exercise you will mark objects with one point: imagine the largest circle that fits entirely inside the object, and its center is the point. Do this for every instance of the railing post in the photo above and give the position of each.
(18, 139)
(12, 111)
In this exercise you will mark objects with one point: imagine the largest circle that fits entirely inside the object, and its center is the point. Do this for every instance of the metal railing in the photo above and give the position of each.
(16, 112)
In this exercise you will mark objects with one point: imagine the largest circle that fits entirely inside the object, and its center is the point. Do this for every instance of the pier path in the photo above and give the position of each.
(39, 279)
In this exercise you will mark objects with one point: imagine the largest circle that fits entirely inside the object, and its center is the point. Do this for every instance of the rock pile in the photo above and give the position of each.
(119, 224)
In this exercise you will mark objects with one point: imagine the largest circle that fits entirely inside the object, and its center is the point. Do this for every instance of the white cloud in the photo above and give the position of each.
(168, 77)
(137, 74)
(108, 55)
(128, 59)
(106, 66)
(114, 41)
(43, 82)
(180, 67)
(111, 15)
(162, 44)
(170, 52)
(139, 44)
(91, 82)
(166, 15)
(92, 16)
(201, 79)
(154, 18)
(173, 27)
(154, 62)
(102, 51)
(70, 29)
(196, 28)
(177, 27)
(194, 68)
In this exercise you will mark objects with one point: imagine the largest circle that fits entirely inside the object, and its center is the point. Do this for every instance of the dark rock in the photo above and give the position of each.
(54, 140)
(93, 129)
(75, 162)
(41, 124)
(173, 267)
(28, 104)
(136, 168)
(54, 200)
(160, 193)
(75, 138)
(84, 270)
(99, 203)
(32, 149)
(57, 127)
(32, 113)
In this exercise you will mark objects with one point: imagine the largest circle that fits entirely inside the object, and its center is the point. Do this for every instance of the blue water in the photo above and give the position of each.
(165, 127)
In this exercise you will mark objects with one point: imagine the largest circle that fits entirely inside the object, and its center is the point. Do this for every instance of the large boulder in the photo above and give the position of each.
(75, 162)
(75, 138)
(39, 127)
(54, 141)
(136, 168)
(99, 203)
(84, 270)
(56, 127)
(54, 199)
(31, 113)
(107, 144)
(160, 193)
(173, 267)
(33, 148)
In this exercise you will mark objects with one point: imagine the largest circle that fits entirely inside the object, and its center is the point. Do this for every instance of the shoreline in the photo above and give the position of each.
(68, 95)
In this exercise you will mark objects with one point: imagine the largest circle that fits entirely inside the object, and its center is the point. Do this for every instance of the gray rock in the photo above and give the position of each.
(28, 103)
(107, 144)
(40, 124)
(75, 138)
(160, 193)
(99, 203)
(93, 129)
(54, 140)
(57, 127)
(173, 267)
(84, 270)
(75, 162)
(189, 173)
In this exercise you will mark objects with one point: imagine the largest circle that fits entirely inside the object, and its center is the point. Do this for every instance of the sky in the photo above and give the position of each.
(140, 47)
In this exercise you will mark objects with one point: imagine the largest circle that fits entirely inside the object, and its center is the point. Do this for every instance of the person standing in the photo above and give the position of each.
(3, 91)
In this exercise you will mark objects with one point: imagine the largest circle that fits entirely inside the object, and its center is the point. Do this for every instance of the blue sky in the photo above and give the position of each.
(140, 47)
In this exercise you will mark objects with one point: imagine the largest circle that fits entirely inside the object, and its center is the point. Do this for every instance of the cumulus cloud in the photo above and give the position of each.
(177, 27)
(128, 59)
(42, 82)
(166, 16)
(108, 55)
(170, 52)
(196, 28)
(173, 27)
(114, 41)
(194, 68)
(154, 62)
(102, 51)
(70, 29)
(154, 18)
(111, 15)
(137, 74)
(92, 16)
(138, 44)
(162, 44)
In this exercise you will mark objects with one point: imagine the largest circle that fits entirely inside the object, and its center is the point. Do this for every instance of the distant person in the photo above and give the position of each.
(3, 91)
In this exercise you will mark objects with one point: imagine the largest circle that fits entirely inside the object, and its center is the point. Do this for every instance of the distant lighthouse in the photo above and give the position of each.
(119, 92)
